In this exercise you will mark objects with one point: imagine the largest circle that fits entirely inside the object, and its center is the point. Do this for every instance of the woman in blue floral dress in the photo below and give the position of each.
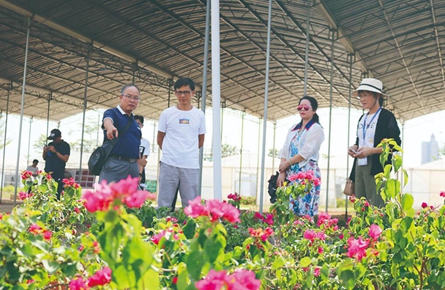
(300, 153)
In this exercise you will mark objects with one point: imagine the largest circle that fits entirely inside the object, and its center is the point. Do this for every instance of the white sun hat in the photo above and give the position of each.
(371, 85)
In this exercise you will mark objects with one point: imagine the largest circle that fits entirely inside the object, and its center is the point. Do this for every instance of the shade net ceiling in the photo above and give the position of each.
(109, 43)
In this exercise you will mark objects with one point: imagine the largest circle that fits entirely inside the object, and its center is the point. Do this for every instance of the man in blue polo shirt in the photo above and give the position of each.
(123, 159)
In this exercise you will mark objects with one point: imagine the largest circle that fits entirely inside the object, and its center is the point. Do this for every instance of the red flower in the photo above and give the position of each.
(175, 280)
(100, 278)
(78, 284)
(442, 193)
(47, 235)
(424, 205)
(357, 248)
(35, 229)
(77, 210)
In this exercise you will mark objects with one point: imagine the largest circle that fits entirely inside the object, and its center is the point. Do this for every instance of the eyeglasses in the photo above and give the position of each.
(132, 98)
(185, 93)
(303, 107)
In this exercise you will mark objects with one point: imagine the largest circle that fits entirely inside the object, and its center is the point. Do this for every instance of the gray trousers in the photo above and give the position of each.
(115, 170)
(171, 178)
(365, 185)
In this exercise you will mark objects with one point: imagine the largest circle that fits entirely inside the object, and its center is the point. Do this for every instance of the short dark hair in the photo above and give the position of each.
(128, 86)
(140, 118)
(35, 161)
(184, 82)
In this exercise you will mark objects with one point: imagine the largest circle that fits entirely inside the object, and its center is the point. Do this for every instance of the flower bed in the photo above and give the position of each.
(114, 238)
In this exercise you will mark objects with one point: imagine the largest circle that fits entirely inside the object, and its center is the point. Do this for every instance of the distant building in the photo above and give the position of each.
(430, 150)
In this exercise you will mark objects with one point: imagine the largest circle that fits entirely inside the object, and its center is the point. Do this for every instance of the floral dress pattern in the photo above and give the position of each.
(307, 205)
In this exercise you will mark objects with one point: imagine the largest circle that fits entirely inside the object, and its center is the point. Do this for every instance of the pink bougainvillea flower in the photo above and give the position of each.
(241, 279)
(375, 231)
(98, 200)
(213, 280)
(78, 284)
(26, 174)
(151, 196)
(136, 199)
(35, 229)
(96, 247)
(322, 218)
(317, 272)
(24, 195)
(357, 248)
(100, 278)
(214, 209)
(47, 235)
(70, 182)
(125, 187)
(442, 193)
(164, 233)
(424, 205)
(196, 208)
(77, 210)
(244, 279)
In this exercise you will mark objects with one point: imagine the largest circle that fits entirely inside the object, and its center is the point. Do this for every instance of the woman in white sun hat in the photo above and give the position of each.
(373, 126)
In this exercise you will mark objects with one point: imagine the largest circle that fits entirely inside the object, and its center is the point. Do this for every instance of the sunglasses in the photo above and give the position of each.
(303, 107)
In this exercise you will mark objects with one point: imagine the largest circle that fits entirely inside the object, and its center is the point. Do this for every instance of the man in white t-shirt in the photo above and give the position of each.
(180, 135)
(33, 167)
(144, 150)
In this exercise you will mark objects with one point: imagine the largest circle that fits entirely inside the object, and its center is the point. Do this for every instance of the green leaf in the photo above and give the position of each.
(278, 263)
(397, 161)
(150, 281)
(406, 224)
(305, 262)
(195, 262)
(51, 266)
(387, 171)
(347, 278)
(407, 201)
(392, 187)
(189, 229)
(213, 249)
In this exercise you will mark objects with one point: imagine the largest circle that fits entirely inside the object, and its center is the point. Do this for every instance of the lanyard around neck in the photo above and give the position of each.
(365, 127)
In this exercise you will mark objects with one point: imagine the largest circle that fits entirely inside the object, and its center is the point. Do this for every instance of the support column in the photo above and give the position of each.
(306, 58)
(22, 109)
(266, 97)
(274, 148)
(243, 114)
(351, 61)
(4, 142)
(204, 87)
(50, 97)
(29, 140)
(85, 95)
(216, 95)
(332, 32)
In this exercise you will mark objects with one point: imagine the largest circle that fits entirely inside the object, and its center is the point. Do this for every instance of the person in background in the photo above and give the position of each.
(144, 149)
(300, 153)
(123, 159)
(373, 126)
(180, 135)
(56, 155)
(33, 167)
